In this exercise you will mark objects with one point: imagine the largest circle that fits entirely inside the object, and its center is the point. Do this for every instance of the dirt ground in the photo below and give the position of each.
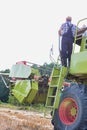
(24, 120)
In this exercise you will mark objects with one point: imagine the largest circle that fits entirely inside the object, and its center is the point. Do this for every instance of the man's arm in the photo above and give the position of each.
(60, 32)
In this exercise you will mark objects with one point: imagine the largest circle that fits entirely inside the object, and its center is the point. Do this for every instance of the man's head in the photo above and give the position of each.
(69, 18)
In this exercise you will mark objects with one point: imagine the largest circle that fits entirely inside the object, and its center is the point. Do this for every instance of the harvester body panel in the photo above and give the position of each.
(20, 71)
(24, 91)
(79, 63)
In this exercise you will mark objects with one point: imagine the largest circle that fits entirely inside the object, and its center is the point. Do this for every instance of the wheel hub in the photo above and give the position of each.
(68, 111)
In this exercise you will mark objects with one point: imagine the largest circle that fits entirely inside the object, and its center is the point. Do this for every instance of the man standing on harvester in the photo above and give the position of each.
(67, 31)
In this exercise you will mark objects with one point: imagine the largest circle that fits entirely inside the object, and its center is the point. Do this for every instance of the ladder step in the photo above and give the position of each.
(51, 96)
(56, 76)
(50, 106)
(53, 86)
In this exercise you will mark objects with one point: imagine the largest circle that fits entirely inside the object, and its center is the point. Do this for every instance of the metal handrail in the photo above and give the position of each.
(77, 32)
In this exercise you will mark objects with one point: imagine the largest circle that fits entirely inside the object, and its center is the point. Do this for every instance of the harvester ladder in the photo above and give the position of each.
(55, 86)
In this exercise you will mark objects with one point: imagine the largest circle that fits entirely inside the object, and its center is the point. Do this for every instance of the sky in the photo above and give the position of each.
(29, 28)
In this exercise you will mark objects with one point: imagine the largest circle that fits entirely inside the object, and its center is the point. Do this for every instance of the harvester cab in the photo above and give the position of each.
(78, 59)
(69, 103)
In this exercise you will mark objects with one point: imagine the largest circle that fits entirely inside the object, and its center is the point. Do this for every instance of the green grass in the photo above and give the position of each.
(35, 107)
(7, 105)
(14, 104)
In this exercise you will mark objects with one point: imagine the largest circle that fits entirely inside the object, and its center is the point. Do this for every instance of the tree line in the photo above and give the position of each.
(44, 69)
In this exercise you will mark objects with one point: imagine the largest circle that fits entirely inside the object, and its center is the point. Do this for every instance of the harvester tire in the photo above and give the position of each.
(72, 111)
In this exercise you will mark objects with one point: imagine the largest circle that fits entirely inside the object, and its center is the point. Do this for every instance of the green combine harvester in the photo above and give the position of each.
(65, 95)
(69, 102)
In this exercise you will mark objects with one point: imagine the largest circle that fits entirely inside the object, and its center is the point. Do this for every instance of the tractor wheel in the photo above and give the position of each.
(72, 111)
